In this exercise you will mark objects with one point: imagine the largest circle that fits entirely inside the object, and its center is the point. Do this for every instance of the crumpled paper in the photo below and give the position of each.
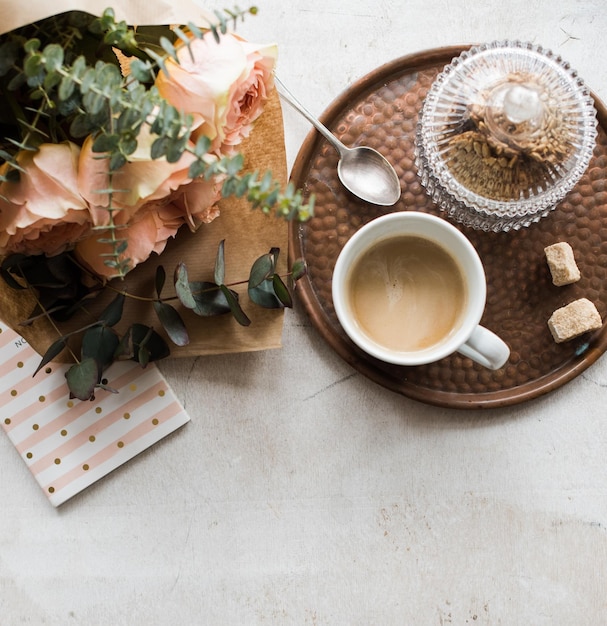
(247, 233)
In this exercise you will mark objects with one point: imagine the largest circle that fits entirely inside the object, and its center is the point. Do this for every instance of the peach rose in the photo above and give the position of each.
(147, 232)
(154, 199)
(140, 181)
(43, 213)
(149, 229)
(225, 83)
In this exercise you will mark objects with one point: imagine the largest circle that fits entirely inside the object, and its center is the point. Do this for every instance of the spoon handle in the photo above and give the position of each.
(323, 130)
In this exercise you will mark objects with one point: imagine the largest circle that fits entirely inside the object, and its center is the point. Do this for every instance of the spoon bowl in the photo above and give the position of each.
(362, 170)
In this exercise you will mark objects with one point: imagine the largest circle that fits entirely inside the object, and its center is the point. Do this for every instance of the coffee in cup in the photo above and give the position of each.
(409, 288)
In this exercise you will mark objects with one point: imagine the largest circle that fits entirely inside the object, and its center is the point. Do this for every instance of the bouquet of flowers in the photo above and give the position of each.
(114, 139)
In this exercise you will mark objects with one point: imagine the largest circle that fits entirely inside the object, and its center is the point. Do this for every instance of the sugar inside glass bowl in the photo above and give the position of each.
(506, 131)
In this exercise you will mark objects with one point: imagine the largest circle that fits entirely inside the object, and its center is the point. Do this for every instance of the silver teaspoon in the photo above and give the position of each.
(362, 170)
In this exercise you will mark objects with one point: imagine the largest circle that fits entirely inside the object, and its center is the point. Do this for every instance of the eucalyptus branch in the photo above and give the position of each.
(115, 114)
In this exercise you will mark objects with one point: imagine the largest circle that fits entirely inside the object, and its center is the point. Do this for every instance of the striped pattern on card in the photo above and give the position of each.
(70, 444)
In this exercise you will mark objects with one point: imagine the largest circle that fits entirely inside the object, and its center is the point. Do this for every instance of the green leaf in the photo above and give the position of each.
(197, 168)
(54, 350)
(141, 70)
(100, 343)
(105, 143)
(159, 147)
(32, 45)
(112, 314)
(82, 378)
(262, 269)
(127, 144)
(281, 291)
(143, 356)
(299, 269)
(32, 65)
(203, 145)
(53, 57)
(182, 287)
(117, 160)
(159, 279)
(172, 323)
(148, 345)
(220, 266)
(158, 59)
(237, 312)
(8, 55)
(66, 87)
(175, 149)
(264, 295)
(209, 298)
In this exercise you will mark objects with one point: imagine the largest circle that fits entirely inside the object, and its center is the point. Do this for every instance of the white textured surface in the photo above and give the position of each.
(301, 492)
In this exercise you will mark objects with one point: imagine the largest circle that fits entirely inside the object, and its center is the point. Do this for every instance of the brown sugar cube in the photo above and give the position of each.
(577, 318)
(562, 264)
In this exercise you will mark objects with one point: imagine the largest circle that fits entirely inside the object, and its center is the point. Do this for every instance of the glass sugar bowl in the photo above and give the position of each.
(505, 132)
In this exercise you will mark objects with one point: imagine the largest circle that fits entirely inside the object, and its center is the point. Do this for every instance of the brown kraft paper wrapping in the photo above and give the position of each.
(248, 233)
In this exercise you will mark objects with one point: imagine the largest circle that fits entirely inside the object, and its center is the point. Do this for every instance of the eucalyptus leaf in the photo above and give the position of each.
(52, 351)
(159, 279)
(261, 269)
(197, 168)
(82, 378)
(172, 323)
(282, 292)
(232, 299)
(220, 265)
(105, 142)
(182, 287)
(299, 269)
(209, 299)
(143, 356)
(100, 343)
(53, 55)
(112, 314)
(117, 160)
(141, 70)
(264, 295)
(143, 344)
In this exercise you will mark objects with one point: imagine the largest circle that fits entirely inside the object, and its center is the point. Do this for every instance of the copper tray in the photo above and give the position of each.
(381, 110)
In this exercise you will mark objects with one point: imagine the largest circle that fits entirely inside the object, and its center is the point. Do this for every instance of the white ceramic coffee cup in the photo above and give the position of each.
(468, 338)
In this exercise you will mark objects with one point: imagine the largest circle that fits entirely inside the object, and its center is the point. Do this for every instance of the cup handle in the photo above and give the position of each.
(485, 348)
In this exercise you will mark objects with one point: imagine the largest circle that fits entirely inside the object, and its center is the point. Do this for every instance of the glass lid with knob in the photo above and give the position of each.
(506, 130)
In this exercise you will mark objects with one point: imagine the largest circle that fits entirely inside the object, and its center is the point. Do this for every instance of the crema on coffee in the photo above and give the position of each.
(407, 293)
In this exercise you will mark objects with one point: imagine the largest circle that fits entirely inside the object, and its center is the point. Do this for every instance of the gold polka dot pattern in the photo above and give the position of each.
(66, 444)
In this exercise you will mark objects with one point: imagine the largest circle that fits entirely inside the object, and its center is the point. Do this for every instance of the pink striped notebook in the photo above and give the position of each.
(70, 444)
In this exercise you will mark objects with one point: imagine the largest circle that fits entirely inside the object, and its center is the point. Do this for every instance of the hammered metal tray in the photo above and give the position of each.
(381, 110)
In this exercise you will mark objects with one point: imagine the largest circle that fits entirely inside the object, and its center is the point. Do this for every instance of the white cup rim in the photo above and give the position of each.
(436, 229)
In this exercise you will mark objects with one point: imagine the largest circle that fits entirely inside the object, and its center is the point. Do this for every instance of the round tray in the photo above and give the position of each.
(381, 110)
